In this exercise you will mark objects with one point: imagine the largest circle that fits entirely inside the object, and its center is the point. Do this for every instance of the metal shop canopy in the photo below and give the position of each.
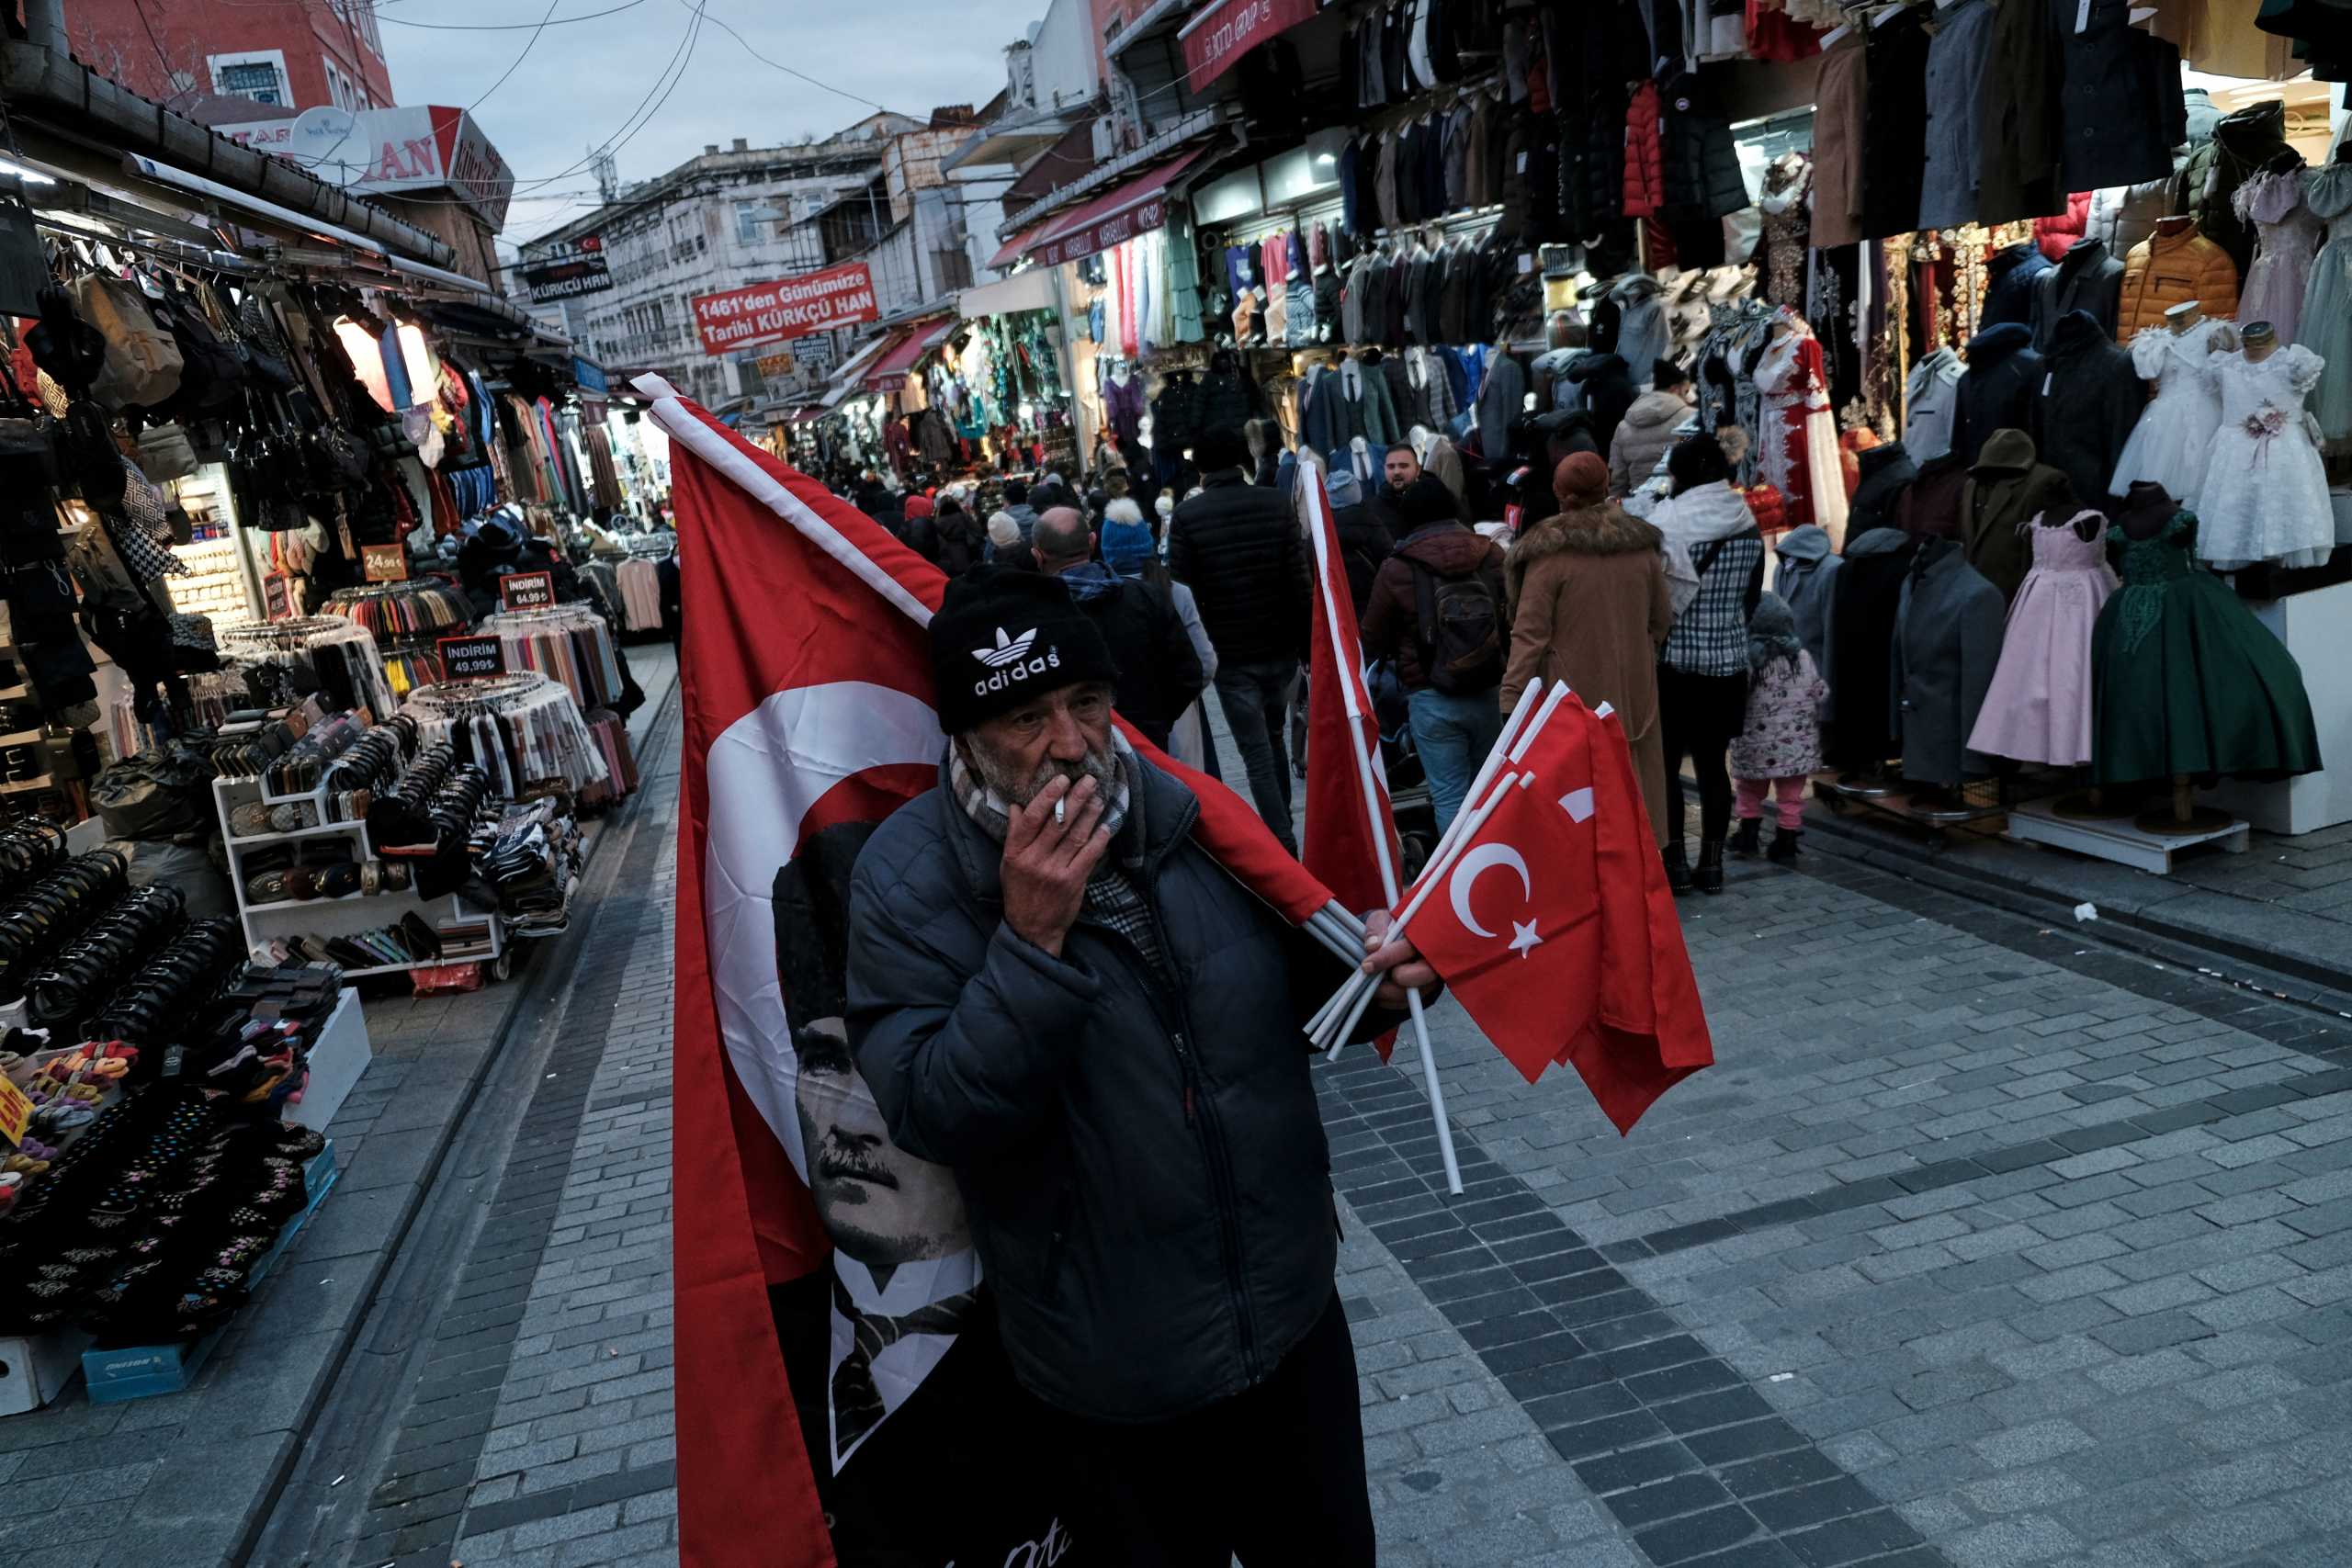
(1118, 214)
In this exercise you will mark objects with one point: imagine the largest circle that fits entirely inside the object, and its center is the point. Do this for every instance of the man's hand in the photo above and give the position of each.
(1047, 863)
(1399, 961)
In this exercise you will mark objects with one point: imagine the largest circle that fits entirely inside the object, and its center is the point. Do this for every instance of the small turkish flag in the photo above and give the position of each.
(1557, 933)
(1515, 927)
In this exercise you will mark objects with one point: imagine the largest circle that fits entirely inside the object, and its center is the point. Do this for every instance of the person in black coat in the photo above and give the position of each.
(1238, 549)
(1159, 670)
(1608, 383)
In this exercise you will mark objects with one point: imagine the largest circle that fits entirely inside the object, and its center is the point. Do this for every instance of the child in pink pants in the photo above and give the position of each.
(1780, 743)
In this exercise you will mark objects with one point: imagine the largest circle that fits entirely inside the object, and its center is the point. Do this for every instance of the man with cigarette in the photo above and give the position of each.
(1057, 994)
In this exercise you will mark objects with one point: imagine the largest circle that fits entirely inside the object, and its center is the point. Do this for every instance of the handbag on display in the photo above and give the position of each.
(165, 453)
(23, 269)
(143, 362)
(68, 349)
(212, 371)
(92, 459)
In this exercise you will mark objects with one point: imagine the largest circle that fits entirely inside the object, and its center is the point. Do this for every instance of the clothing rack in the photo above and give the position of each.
(522, 727)
(569, 643)
(405, 619)
(341, 654)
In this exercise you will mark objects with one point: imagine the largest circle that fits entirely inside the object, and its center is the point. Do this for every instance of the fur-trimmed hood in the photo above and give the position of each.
(1604, 530)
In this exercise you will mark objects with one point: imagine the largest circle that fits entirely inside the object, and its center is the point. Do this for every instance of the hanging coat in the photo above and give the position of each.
(2119, 105)
(2010, 284)
(2243, 142)
(1645, 187)
(1995, 393)
(2172, 269)
(1946, 645)
(2085, 405)
(1808, 580)
(1930, 400)
(2089, 278)
(2017, 131)
(1897, 144)
(2007, 486)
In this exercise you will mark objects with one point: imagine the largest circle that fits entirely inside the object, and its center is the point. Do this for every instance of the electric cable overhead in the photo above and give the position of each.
(529, 44)
(509, 26)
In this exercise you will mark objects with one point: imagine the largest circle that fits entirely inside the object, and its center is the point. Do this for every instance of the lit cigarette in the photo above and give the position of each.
(1057, 812)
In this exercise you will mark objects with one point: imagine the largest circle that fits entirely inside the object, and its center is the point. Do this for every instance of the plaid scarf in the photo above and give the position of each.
(1113, 896)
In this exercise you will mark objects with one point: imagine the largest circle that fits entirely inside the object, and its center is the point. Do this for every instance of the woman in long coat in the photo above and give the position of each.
(1588, 599)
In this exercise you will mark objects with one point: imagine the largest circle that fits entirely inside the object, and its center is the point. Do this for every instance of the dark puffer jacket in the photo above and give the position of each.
(1229, 394)
(1138, 1149)
(1996, 394)
(1702, 179)
(2085, 405)
(2009, 280)
(1235, 546)
(1608, 383)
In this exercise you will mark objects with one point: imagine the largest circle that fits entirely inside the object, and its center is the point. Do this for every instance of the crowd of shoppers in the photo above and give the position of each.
(1204, 586)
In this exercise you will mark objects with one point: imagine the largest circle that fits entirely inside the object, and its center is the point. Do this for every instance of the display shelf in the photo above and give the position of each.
(322, 830)
(336, 1060)
(36, 1367)
(2117, 838)
(282, 919)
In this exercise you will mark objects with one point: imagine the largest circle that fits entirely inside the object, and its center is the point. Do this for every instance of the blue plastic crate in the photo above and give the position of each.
(140, 1372)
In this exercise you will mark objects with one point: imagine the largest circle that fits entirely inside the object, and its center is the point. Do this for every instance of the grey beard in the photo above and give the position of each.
(1102, 767)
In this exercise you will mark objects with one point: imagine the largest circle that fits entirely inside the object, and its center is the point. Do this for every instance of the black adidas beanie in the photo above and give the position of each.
(1001, 637)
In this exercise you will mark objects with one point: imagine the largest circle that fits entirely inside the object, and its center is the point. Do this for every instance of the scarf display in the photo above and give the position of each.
(521, 729)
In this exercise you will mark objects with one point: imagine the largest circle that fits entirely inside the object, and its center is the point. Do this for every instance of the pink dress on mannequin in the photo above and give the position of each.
(2038, 707)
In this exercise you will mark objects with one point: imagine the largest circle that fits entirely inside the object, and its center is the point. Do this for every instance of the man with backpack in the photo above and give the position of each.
(1437, 610)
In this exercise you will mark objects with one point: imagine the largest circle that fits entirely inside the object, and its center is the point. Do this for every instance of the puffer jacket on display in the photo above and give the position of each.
(2168, 269)
(1887, 471)
(1135, 1136)
(1642, 435)
(2010, 280)
(2245, 141)
(1229, 394)
(1701, 163)
(1645, 187)
(2126, 215)
(2056, 234)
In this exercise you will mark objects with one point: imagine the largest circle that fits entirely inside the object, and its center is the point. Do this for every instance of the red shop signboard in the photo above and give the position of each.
(778, 312)
(1221, 35)
(1102, 234)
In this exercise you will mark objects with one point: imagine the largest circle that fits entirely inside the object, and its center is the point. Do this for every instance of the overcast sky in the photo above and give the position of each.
(579, 82)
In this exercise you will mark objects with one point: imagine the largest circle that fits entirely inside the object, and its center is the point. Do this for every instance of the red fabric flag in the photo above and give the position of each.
(1562, 955)
(806, 681)
(1342, 845)
(1514, 925)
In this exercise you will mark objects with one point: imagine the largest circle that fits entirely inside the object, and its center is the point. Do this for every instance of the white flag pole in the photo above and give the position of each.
(1368, 783)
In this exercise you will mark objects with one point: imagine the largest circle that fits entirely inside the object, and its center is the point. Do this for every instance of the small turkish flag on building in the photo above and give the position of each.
(1546, 929)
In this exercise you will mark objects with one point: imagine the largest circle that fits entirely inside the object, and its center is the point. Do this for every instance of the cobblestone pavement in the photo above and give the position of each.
(1980, 1246)
(184, 1481)
(1984, 1245)
(2284, 904)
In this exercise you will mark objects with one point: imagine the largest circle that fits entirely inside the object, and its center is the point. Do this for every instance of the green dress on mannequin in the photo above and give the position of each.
(2185, 682)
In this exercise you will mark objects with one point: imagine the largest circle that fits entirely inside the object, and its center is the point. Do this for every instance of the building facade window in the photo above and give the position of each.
(747, 224)
(258, 74)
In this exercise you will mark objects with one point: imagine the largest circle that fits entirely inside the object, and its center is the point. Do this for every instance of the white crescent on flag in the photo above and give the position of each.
(1466, 874)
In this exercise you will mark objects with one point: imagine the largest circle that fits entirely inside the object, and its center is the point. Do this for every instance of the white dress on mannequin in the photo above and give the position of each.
(2265, 493)
(2173, 438)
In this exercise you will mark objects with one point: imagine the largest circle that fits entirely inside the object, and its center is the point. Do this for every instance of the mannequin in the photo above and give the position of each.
(2174, 436)
(2038, 710)
(2086, 405)
(1797, 435)
(2265, 494)
(2187, 684)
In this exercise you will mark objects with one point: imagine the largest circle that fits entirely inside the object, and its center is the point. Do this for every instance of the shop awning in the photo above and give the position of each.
(889, 372)
(1217, 38)
(1018, 247)
(1120, 213)
(1031, 291)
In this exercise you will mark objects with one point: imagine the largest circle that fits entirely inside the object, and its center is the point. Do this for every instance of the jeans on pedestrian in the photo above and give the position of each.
(1453, 736)
(1788, 799)
(1256, 699)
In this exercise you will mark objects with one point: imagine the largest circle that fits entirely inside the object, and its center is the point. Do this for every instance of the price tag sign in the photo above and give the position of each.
(15, 1112)
(526, 591)
(277, 596)
(384, 563)
(472, 658)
